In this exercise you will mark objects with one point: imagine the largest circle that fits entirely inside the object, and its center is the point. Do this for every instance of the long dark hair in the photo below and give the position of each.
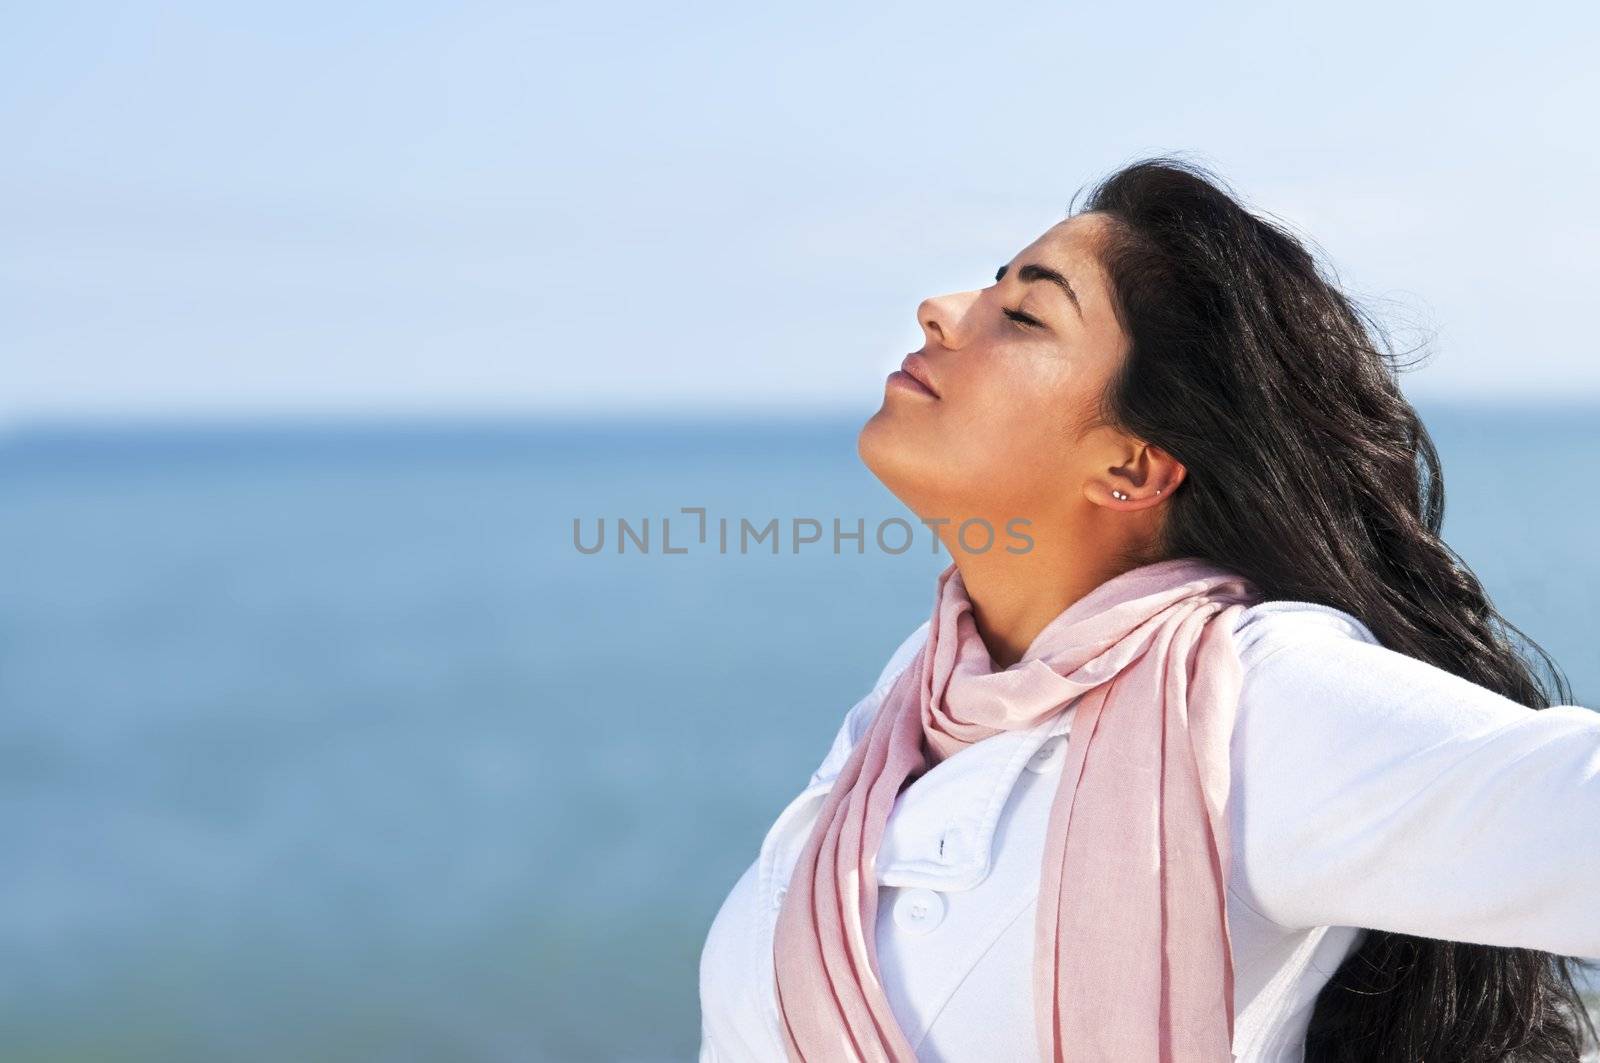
(1310, 474)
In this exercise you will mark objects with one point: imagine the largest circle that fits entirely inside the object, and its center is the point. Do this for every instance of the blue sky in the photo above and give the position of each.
(371, 209)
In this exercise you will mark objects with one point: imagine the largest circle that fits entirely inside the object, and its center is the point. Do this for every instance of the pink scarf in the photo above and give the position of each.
(1132, 958)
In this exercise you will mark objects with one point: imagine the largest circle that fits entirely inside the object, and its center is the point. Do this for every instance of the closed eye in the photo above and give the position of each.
(1022, 319)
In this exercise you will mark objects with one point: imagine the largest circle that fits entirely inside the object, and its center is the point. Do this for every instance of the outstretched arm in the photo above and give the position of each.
(1373, 789)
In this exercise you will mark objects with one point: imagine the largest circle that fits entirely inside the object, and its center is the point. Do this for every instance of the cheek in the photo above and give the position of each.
(1014, 437)
(1000, 444)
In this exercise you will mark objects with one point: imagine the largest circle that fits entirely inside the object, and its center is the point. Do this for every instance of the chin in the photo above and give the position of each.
(876, 443)
(896, 459)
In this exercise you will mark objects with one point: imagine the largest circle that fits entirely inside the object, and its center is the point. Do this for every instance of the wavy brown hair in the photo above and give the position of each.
(1310, 474)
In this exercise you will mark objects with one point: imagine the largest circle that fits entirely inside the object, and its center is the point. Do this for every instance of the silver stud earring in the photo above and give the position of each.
(1117, 494)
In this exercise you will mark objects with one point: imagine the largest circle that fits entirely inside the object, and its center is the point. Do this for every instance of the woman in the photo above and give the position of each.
(1232, 760)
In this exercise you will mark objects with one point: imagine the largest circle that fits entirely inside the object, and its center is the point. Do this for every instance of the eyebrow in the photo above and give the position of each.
(1035, 272)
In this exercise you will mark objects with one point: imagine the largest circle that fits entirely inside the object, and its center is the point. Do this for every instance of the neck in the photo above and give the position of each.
(1015, 596)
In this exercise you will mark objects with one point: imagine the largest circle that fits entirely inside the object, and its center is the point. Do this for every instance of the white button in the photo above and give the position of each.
(1047, 758)
(917, 911)
(777, 899)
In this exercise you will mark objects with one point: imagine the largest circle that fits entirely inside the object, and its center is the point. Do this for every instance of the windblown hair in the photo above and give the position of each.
(1310, 474)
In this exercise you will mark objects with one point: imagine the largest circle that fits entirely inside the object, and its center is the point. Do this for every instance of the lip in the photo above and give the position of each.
(916, 367)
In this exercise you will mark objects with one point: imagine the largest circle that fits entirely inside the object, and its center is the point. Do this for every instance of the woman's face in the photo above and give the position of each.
(1019, 368)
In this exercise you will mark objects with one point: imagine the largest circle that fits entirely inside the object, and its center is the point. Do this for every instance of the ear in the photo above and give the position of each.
(1146, 477)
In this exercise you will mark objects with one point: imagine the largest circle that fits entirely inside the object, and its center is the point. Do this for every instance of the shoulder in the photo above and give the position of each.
(900, 659)
(1282, 623)
(860, 716)
(1309, 665)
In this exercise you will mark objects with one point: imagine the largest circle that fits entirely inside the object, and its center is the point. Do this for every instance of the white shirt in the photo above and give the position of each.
(1369, 789)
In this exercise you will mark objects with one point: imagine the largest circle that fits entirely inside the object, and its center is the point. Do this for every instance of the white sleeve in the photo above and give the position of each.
(1376, 790)
(860, 715)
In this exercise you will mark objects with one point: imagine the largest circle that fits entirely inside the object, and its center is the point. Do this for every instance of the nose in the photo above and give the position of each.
(940, 317)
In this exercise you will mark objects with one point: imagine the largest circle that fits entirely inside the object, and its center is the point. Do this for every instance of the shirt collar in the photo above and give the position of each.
(941, 833)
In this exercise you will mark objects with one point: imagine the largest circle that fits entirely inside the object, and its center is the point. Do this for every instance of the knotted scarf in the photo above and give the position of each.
(1132, 960)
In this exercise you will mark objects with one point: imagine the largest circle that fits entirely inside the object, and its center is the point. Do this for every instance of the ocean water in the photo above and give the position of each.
(330, 743)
